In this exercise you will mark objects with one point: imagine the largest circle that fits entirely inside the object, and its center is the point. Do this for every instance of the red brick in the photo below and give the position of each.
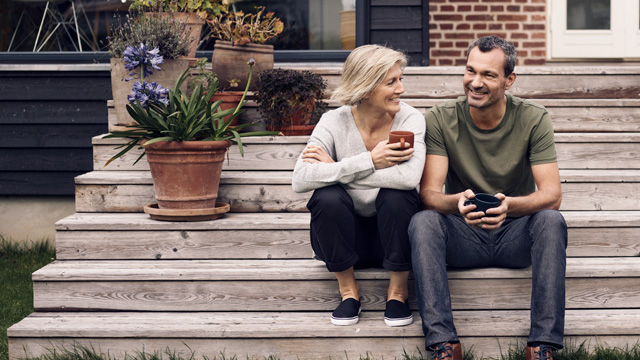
(447, 8)
(448, 17)
(462, 44)
(498, 34)
(538, 53)
(464, 26)
(481, 8)
(464, 1)
(519, 35)
(497, 8)
(538, 18)
(539, 1)
(540, 8)
(513, 8)
(432, 9)
(481, 26)
(437, 1)
(534, 26)
(534, 44)
(435, 36)
(432, 25)
(443, 53)
(432, 61)
(466, 36)
(447, 26)
(523, 1)
(464, 8)
(496, 1)
(523, 53)
(535, 61)
(432, 44)
(512, 17)
(539, 36)
(445, 44)
(445, 62)
(461, 62)
(481, 17)
(512, 26)
(495, 26)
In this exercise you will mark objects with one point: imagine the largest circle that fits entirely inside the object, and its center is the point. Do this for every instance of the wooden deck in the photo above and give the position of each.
(247, 285)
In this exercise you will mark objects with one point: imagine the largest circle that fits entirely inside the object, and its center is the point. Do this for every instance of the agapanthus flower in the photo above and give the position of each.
(142, 57)
(148, 93)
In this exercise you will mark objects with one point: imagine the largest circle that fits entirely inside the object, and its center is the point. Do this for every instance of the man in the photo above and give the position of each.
(490, 142)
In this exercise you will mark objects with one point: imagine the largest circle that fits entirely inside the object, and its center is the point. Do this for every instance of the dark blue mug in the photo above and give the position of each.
(483, 202)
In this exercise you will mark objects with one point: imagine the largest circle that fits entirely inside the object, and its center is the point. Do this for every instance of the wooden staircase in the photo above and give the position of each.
(247, 285)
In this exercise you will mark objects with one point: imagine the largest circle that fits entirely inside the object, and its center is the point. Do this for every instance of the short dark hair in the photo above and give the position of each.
(488, 43)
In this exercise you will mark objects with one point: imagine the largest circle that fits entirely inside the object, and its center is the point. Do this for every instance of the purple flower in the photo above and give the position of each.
(142, 57)
(148, 93)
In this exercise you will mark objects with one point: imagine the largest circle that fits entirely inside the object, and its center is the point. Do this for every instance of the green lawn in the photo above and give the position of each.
(17, 262)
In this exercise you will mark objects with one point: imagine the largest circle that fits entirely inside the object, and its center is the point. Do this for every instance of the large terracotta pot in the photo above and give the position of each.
(171, 71)
(230, 62)
(194, 26)
(230, 100)
(186, 174)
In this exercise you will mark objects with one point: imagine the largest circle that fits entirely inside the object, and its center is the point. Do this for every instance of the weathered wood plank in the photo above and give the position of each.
(281, 198)
(292, 221)
(388, 347)
(207, 325)
(290, 270)
(272, 244)
(168, 244)
(308, 295)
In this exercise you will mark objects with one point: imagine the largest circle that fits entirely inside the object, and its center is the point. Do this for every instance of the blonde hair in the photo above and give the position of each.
(365, 69)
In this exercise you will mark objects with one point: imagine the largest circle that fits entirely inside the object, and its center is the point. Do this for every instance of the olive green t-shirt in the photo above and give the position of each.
(496, 160)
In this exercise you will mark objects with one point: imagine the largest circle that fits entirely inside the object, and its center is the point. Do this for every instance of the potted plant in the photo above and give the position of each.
(241, 36)
(151, 33)
(290, 101)
(185, 139)
(191, 13)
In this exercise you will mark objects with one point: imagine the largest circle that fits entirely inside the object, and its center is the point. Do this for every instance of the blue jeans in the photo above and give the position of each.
(538, 240)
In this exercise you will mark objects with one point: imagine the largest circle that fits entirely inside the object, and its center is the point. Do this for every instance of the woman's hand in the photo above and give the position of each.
(316, 154)
(385, 155)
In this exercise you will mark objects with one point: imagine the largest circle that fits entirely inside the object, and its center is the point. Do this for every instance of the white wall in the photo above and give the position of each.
(32, 218)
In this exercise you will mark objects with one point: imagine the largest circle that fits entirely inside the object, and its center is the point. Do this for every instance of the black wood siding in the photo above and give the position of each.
(47, 120)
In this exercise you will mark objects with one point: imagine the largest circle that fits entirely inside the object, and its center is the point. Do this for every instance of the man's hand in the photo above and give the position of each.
(316, 154)
(498, 214)
(385, 155)
(479, 218)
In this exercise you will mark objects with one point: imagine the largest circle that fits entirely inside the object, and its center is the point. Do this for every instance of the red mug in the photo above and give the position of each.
(401, 137)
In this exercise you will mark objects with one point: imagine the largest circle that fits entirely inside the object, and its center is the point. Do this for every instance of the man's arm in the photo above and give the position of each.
(433, 177)
(548, 196)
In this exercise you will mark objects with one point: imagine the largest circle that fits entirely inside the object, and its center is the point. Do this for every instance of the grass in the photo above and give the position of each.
(17, 262)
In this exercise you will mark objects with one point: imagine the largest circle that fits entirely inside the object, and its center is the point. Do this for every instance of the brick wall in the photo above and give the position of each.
(455, 23)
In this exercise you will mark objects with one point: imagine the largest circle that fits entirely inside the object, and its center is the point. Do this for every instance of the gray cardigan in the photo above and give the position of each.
(354, 170)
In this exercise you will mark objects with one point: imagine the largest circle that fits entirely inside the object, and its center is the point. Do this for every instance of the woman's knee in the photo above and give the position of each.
(395, 201)
(332, 198)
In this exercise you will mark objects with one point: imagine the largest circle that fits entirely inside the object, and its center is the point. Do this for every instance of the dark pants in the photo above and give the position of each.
(539, 240)
(343, 239)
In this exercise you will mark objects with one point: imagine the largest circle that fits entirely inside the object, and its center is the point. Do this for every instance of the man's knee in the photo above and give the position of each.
(423, 224)
(550, 225)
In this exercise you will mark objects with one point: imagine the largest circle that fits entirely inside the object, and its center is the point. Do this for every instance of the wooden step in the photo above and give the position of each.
(307, 335)
(568, 115)
(304, 285)
(575, 151)
(280, 236)
(270, 191)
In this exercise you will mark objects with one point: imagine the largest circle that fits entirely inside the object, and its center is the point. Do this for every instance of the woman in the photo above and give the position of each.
(364, 187)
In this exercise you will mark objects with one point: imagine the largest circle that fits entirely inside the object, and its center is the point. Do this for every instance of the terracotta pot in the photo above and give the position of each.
(194, 26)
(171, 71)
(230, 100)
(186, 174)
(230, 62)
(293, 130)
